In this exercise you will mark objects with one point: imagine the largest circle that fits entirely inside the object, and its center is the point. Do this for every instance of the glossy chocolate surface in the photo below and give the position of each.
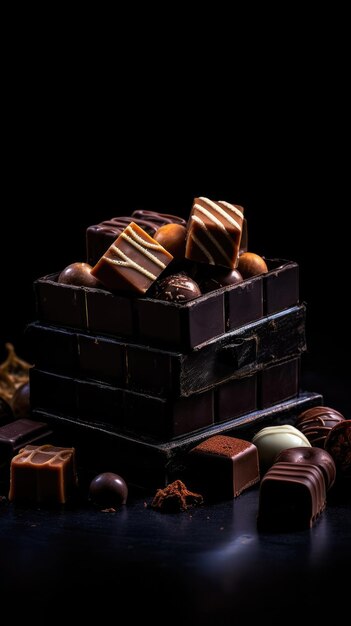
(338, 444)
(20, 402)
(213, 278)
(314, 456)
(271, 440)
(19, 433)
(78, 274)
(108, 490)
(172, 237)
(317, 423)
(223, 467)
(278, 382)
(292, 496)
(251, 264)
(176, 288)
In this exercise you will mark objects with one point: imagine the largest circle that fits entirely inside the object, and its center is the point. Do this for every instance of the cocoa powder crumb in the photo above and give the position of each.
(175, 498)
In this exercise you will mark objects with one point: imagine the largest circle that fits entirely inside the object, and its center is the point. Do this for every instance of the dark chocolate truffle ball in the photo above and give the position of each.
(316, 424)
(78, 274)
(6, 414)
(20, 402)
(338, 444)
(108, 490)
(172, 237)
(219, 277)
(314, 456)
(177, 288)
(251, 264)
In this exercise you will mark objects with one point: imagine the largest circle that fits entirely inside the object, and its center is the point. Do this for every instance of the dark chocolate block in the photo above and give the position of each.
(61, 304)
(100, 404)
(43, 474)
(236, 397)
(19, 433)
(292, 496)
(281, 285)
(110, 314)
(279, 382)
(100, 236)
(223, 467)
(162, 373)
(53, 348)
(52, 392)
(154, 465)
(244, 303)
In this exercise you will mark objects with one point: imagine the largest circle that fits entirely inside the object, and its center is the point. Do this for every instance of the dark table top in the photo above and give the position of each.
(208, 564)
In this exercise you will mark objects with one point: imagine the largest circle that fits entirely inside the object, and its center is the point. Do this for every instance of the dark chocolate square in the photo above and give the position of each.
(244, 303)
(110, 314)
(53, 393)
(236, 397)
(149, 371)
(279, 382)
(281, 286)
(61, 304)
(53, 348)
(100, 404)
(101, 359)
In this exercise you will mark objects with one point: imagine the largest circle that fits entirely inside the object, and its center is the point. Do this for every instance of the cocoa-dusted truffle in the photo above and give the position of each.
(316, 424)
(338, 444)
(172, 238)
(177, 288)
(78, 274)
(251, 264)
(314, 456)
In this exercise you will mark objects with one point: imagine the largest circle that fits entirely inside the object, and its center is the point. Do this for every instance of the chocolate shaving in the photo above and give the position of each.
(175, 498)
(14, 372)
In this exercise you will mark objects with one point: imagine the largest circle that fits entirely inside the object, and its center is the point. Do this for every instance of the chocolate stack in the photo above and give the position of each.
(134, 380)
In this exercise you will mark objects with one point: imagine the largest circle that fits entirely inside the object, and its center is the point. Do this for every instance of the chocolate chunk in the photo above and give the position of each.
(175, 498)
(214, 232)
(278, 383)
(251, 264)
(177, 288)
(78, 274)
(19, 433)
(223, 467)
(292, 496)
(108, 490)
(273, 439)
(313, 456)
(133, 262)
(43, 475)
(317, 423)
(21, 401)
(338, 444)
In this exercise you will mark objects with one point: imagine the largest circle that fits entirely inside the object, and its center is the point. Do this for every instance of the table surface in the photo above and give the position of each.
(209, 563)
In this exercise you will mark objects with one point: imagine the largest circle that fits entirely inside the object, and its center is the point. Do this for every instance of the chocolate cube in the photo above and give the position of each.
(223, 467)
(214, 232)
(133, 262)
(43, 474)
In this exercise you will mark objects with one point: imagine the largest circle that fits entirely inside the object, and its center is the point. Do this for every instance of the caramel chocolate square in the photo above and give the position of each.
(43, 474)
(133, 262)
(214, 232)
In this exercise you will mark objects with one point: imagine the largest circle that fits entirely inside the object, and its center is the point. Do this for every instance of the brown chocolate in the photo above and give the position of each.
(174, 498)
(214, 232)
(316, 424)
(78, 274)
(314, 456)
(223, 467)
(338, 444)
(251, 264)
(108, 490)
(6, 414)
(172, 237)
(20, 402)
(215, 277)
(43, 475)
(19, 433)
(133, 262)
(177, 288)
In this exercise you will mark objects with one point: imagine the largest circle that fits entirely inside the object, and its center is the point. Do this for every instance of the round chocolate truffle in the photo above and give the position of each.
(314, 456)
(338, 444)
(273, 439)
(108, 490)
(251, 264)
(177, 288)
(219, 277)
(78, 274)
(6, 414)
(172, 237)
(20, 402)
(316, 424)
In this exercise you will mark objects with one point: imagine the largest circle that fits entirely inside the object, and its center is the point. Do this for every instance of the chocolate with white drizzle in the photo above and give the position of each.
(214, 232)
(133, 262)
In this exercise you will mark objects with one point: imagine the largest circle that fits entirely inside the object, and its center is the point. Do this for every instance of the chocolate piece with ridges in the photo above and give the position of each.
(43, 474)
(338, 444)
(317, 423)
(214, 232)
(292, 496)
(133, 262)
(314, 456)
(223, 467)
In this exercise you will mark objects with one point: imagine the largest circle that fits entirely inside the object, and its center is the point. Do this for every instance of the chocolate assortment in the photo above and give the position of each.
(271, 440)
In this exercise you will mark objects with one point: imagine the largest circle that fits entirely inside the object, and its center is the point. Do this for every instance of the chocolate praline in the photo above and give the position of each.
(20, 402)
(251, 264)
(78, 274)
(177, 288)
(108, 490)
(316, 424)
(172, 237)
(338, 444)
(217, 277)
(314, 456)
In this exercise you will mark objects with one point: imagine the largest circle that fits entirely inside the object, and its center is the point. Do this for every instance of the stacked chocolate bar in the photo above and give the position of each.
(134, 380)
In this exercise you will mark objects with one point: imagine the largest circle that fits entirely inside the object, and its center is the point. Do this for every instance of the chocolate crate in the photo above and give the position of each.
(162, 373)
(169, 325)
(151, 464)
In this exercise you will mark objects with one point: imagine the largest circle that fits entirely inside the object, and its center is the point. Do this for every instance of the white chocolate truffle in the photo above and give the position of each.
(273, 439)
